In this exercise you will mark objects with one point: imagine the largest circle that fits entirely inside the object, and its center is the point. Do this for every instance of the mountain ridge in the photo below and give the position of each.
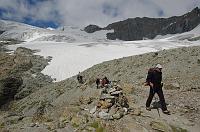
(148, 28)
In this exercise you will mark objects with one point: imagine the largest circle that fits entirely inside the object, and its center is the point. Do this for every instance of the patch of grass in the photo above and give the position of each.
(100, 129)
(75, 125)
(178, 129)
(2, 125)
(95, 124)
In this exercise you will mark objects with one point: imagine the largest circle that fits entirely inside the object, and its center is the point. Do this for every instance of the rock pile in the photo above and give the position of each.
(112, 103)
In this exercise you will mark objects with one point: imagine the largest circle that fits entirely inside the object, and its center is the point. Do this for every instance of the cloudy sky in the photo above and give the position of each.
(54, 13)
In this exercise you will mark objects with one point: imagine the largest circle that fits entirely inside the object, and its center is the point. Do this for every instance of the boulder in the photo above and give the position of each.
(116, 92)
(161, 126)
(106, 96)
(172, 86)
(104, 104)
(105, 116)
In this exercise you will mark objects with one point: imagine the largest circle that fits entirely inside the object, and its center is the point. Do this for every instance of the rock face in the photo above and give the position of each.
(8, 88)
(148, 28)
(16, 79)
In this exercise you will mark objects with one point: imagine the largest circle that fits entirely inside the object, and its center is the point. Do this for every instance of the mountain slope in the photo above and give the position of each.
(60, 106)
(149, 28)
(27, 33)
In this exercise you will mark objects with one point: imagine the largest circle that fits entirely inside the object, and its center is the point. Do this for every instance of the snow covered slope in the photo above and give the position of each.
(192, 35)
(74, 50)
(27, 33)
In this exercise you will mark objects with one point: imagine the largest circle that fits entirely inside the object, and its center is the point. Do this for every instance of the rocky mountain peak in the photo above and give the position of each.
(140, 28)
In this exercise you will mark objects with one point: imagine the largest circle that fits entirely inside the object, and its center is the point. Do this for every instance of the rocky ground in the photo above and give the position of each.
(69, 106)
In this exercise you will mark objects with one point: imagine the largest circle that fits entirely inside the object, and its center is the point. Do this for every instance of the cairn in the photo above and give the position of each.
(112, 103)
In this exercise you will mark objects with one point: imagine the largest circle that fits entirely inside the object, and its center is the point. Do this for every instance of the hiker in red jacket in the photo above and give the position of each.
(104, 81)
(154, 79)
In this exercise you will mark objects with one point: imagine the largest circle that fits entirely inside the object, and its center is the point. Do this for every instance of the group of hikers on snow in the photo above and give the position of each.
(153, 80)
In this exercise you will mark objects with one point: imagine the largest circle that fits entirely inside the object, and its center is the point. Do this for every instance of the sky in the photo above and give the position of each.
(55, 13)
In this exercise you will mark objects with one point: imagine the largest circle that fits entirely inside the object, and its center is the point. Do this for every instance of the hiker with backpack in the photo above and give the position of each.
(105, 82)
(154, 79)
(80, 78)
(98, 82)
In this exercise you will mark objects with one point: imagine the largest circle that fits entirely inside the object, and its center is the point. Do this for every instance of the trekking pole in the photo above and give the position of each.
(157, 106)
(156, 102)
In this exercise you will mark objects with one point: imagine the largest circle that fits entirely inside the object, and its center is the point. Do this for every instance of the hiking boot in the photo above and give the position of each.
(148, 108)
(166, 112)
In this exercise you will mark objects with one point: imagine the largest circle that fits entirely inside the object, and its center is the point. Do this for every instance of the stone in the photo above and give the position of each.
(160, 126)
(116, 92)
(105, 116)
(113, 110)
(111, 90)
(106, 96)
(198, 60)
(172, 86)
(136, 111)
(93, 110)
(123, 101)
(117, 116)
(105, 104)
(85, 100)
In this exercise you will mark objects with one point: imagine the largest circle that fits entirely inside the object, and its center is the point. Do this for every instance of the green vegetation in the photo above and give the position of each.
(178, 129)
(97, 126)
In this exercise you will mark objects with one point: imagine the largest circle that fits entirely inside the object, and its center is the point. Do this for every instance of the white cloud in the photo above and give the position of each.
(100, 12)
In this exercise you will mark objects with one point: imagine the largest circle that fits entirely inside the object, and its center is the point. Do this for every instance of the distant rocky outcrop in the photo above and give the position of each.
(149, 28)
(92, 28)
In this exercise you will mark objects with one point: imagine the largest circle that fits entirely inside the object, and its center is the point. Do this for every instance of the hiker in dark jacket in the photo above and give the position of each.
(97, 82)
(154, 79)
(80, 78)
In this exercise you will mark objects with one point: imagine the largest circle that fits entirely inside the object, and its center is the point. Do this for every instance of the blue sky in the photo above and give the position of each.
(55, 13)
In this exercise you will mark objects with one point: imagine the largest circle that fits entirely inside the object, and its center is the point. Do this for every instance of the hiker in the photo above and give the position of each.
(104, 82)
(154, 79)
(97, 82)
(80, 78)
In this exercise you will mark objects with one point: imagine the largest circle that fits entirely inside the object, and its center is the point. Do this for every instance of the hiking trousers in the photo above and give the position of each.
(159, 91)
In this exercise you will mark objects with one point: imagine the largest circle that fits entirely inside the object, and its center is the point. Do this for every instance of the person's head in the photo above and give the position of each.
(159, 66)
